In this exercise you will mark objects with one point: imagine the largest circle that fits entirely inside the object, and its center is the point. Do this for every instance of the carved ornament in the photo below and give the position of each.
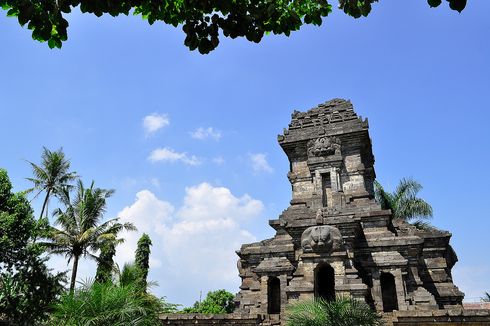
(324, 238)
(324, 146)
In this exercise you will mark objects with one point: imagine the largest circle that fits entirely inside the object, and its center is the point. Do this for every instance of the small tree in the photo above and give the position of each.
(142, 258)
(216, 302)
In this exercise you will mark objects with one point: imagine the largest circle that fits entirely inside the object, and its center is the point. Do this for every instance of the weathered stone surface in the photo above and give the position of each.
(204, 319)
(321, 238)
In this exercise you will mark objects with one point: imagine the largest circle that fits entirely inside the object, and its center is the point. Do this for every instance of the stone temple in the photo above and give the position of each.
(334, 239)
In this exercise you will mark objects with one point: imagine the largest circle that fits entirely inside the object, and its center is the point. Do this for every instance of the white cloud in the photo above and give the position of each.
(169, 155)
(219, 160)
(205, 133)
(194, 246)
(147, 213)
(154, 122)
(259, 163)
(205, 202)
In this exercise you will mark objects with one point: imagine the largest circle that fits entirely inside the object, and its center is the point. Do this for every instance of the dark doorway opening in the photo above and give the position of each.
(326, 188)
(388, 292)
(273, 295)
(325, 282)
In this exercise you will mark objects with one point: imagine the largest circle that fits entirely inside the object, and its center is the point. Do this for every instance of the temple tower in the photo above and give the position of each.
(334, 239)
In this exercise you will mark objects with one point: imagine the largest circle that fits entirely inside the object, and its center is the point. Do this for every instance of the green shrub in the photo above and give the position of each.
(341, 312)
(107, 304)
(216, 302)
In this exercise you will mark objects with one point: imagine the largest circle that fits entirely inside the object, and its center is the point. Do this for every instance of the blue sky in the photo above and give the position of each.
(420, 75)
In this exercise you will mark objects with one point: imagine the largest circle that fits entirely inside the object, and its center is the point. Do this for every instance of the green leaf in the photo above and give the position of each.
(434, 3)
(457, 5)
(12, 12)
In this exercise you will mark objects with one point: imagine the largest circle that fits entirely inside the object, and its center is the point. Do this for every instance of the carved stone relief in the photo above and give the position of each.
(324, 238)
(324, 146)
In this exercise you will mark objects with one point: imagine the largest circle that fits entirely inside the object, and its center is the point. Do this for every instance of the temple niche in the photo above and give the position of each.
(334, 239)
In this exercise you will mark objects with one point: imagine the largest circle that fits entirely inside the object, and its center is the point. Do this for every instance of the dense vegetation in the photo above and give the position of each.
(30, 293)
(202, 21)
(27, 287)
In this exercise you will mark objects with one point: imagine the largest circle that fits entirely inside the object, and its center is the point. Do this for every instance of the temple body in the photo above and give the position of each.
(335, 239)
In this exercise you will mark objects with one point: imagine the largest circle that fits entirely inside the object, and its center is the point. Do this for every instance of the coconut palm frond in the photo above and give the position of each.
(51, 175)
(403, 202)
(79, 231)
(383, 197)
(415, 208)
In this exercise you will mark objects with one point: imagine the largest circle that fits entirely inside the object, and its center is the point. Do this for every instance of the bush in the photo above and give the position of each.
(107, 305)
(216, 302)
(341, 312)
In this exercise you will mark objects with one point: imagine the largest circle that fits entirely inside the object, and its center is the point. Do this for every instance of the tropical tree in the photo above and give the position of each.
(202, 21)
(51, 176)
(142, 259)
(105, 262)
(130, 274)
(27, 287)
(404, 203)
(80, 232)
(341, 312)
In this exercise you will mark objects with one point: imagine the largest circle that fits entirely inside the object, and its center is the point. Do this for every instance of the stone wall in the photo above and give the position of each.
(444, 317)
(204, 319)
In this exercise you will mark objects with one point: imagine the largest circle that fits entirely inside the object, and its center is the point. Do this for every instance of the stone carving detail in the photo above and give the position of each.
(320, 238)
(292, 176)
(324, 146)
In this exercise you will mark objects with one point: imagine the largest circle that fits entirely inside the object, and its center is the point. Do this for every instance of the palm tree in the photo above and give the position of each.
(106, 304)
(404, 203)
(51, 176)
(341, 312)
(486, 297)
(80, 233)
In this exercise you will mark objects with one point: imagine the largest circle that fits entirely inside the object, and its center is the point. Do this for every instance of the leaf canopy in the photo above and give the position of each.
(201, 20)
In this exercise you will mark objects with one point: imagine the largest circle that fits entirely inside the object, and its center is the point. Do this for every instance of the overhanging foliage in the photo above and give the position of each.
(202, 20)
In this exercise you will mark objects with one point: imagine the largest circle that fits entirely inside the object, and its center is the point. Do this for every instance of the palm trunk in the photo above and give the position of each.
(45, 204)
(74, 274)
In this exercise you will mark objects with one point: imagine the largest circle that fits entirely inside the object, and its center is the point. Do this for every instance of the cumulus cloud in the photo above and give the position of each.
(194, 245)
(155, 122)
(205, 133)
(259, 163)
(169, 155)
